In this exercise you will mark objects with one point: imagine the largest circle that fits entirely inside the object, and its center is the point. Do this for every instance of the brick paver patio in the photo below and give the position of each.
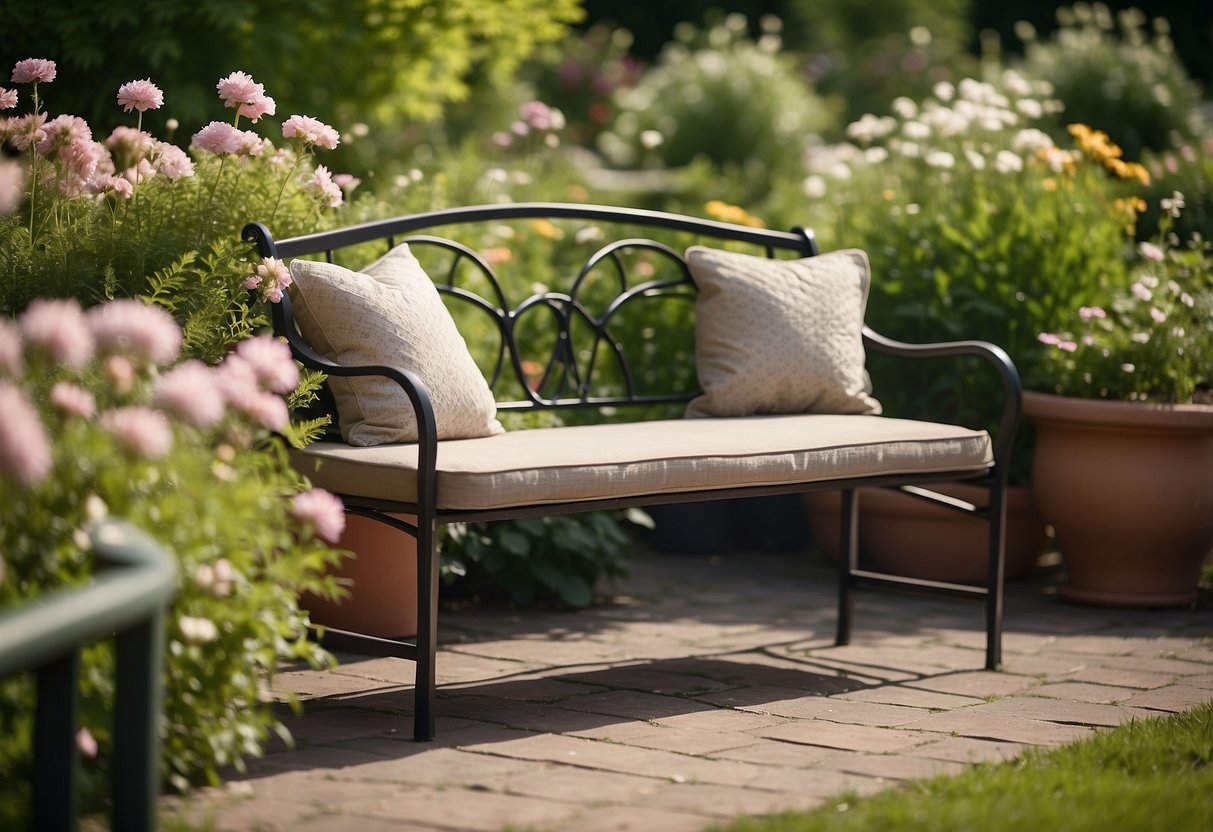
(709, 688)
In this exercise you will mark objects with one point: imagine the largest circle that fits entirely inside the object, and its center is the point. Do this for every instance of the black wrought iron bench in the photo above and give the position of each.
(600, 360)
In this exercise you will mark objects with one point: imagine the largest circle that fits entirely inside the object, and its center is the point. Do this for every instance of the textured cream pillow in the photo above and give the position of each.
(391, 314)
(780, 336)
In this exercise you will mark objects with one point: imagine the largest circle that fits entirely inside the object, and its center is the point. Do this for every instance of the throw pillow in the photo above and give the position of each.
(391, 313)
(780, 336)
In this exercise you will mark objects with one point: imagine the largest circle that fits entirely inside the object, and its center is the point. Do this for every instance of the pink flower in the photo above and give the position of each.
(502, 138)
(310, 131)
(1049, 338)
(128, 145)
(25, 451)
(266, 409)
(1089, 312)
(251, 144)
(60, 328)
(120, 372)
(140, 95)
(11, 360)
(322, 510)
(272, 273)
(191, 392)
(119, 186)
(1158, 315)
(242, 390)
(219, 137)
(258, 107)
(1141, 291)
(34, 71)
(139, 431)
(271, 362)
(1151, 252)
(141, 172)
(1067, 346)
(27, 130)
(62, 132)
(346, 181)
(172, 161)
(128, 326)
(239, 88)
(12, 186)
(86, 743)
(8, 99)
(78, 164)
(326, 191)
(73, 400)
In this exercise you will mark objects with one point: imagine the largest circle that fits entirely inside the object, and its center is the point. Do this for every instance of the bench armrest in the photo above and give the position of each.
(997, 357)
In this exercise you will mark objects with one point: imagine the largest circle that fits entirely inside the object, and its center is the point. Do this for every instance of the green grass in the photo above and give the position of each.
(1147, 775)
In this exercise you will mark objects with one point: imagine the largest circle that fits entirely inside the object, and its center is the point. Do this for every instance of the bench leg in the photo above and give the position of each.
(994, 585)
(427, 630)
(848, 562)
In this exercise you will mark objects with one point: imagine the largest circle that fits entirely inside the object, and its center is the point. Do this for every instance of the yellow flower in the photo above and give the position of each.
(1049, 184)
(721, 210)
(888, 194)
(545, 228)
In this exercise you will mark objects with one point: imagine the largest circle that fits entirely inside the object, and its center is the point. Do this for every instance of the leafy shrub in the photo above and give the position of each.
(98, 424)
(1151, 341)
(1116, 76)
(719, 95)
(539, 560)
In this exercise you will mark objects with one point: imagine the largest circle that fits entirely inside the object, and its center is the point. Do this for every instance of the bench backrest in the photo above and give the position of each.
(559, 303)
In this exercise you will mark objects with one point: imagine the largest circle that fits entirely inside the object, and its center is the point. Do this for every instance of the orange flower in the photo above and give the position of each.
(545, 228)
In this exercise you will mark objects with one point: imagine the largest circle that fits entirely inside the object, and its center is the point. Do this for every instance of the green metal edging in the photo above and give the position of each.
(136, 580)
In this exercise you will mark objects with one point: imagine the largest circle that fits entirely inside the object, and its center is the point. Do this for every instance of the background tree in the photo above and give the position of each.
(360, 60)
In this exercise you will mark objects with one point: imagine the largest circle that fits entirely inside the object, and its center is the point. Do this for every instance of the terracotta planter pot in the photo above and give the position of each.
(1128, 488)
(381, 582)
(906, 536)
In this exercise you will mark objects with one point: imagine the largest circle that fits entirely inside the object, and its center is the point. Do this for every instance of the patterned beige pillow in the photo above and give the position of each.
(780, 336)
(391, 314)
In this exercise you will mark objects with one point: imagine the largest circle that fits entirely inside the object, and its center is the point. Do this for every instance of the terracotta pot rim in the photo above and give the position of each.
(1048, 407)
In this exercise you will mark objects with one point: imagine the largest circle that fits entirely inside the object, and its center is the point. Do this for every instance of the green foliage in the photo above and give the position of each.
(720, 95)
(1147, 774)
(107, 435)
(1151, 341)
(865, 53)
(977, 225)
(538, 560)
(1116, 76)
(383, 59)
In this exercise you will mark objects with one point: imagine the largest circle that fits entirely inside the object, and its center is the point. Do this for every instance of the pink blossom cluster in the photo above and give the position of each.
(34, 71)
(240, 92)
(8, 99)
(125, 336)
(140, 95)
(271, 278)
(322, 510)
(1064, 344)
(533, 116)
(321, 185)
(310, 131)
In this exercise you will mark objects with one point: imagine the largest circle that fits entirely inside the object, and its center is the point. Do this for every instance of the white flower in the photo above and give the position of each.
(916, 130)
(1007, 162)
(905, 107)
(871, 127)
(814, 187)
(1141, 291)
(975, 159)
(198, 630)
(941, 159)
(651, 139)
(944, 91)
(1030, 107)
(875, 155)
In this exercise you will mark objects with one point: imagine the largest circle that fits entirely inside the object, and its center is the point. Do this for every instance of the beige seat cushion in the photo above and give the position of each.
(390, 314)
(780, 336)
(592, 462)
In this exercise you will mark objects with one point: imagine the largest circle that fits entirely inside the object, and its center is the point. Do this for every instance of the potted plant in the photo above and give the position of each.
(1123, 466)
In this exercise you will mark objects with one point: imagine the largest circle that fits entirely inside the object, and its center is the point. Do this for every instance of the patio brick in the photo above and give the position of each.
(675, 707)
